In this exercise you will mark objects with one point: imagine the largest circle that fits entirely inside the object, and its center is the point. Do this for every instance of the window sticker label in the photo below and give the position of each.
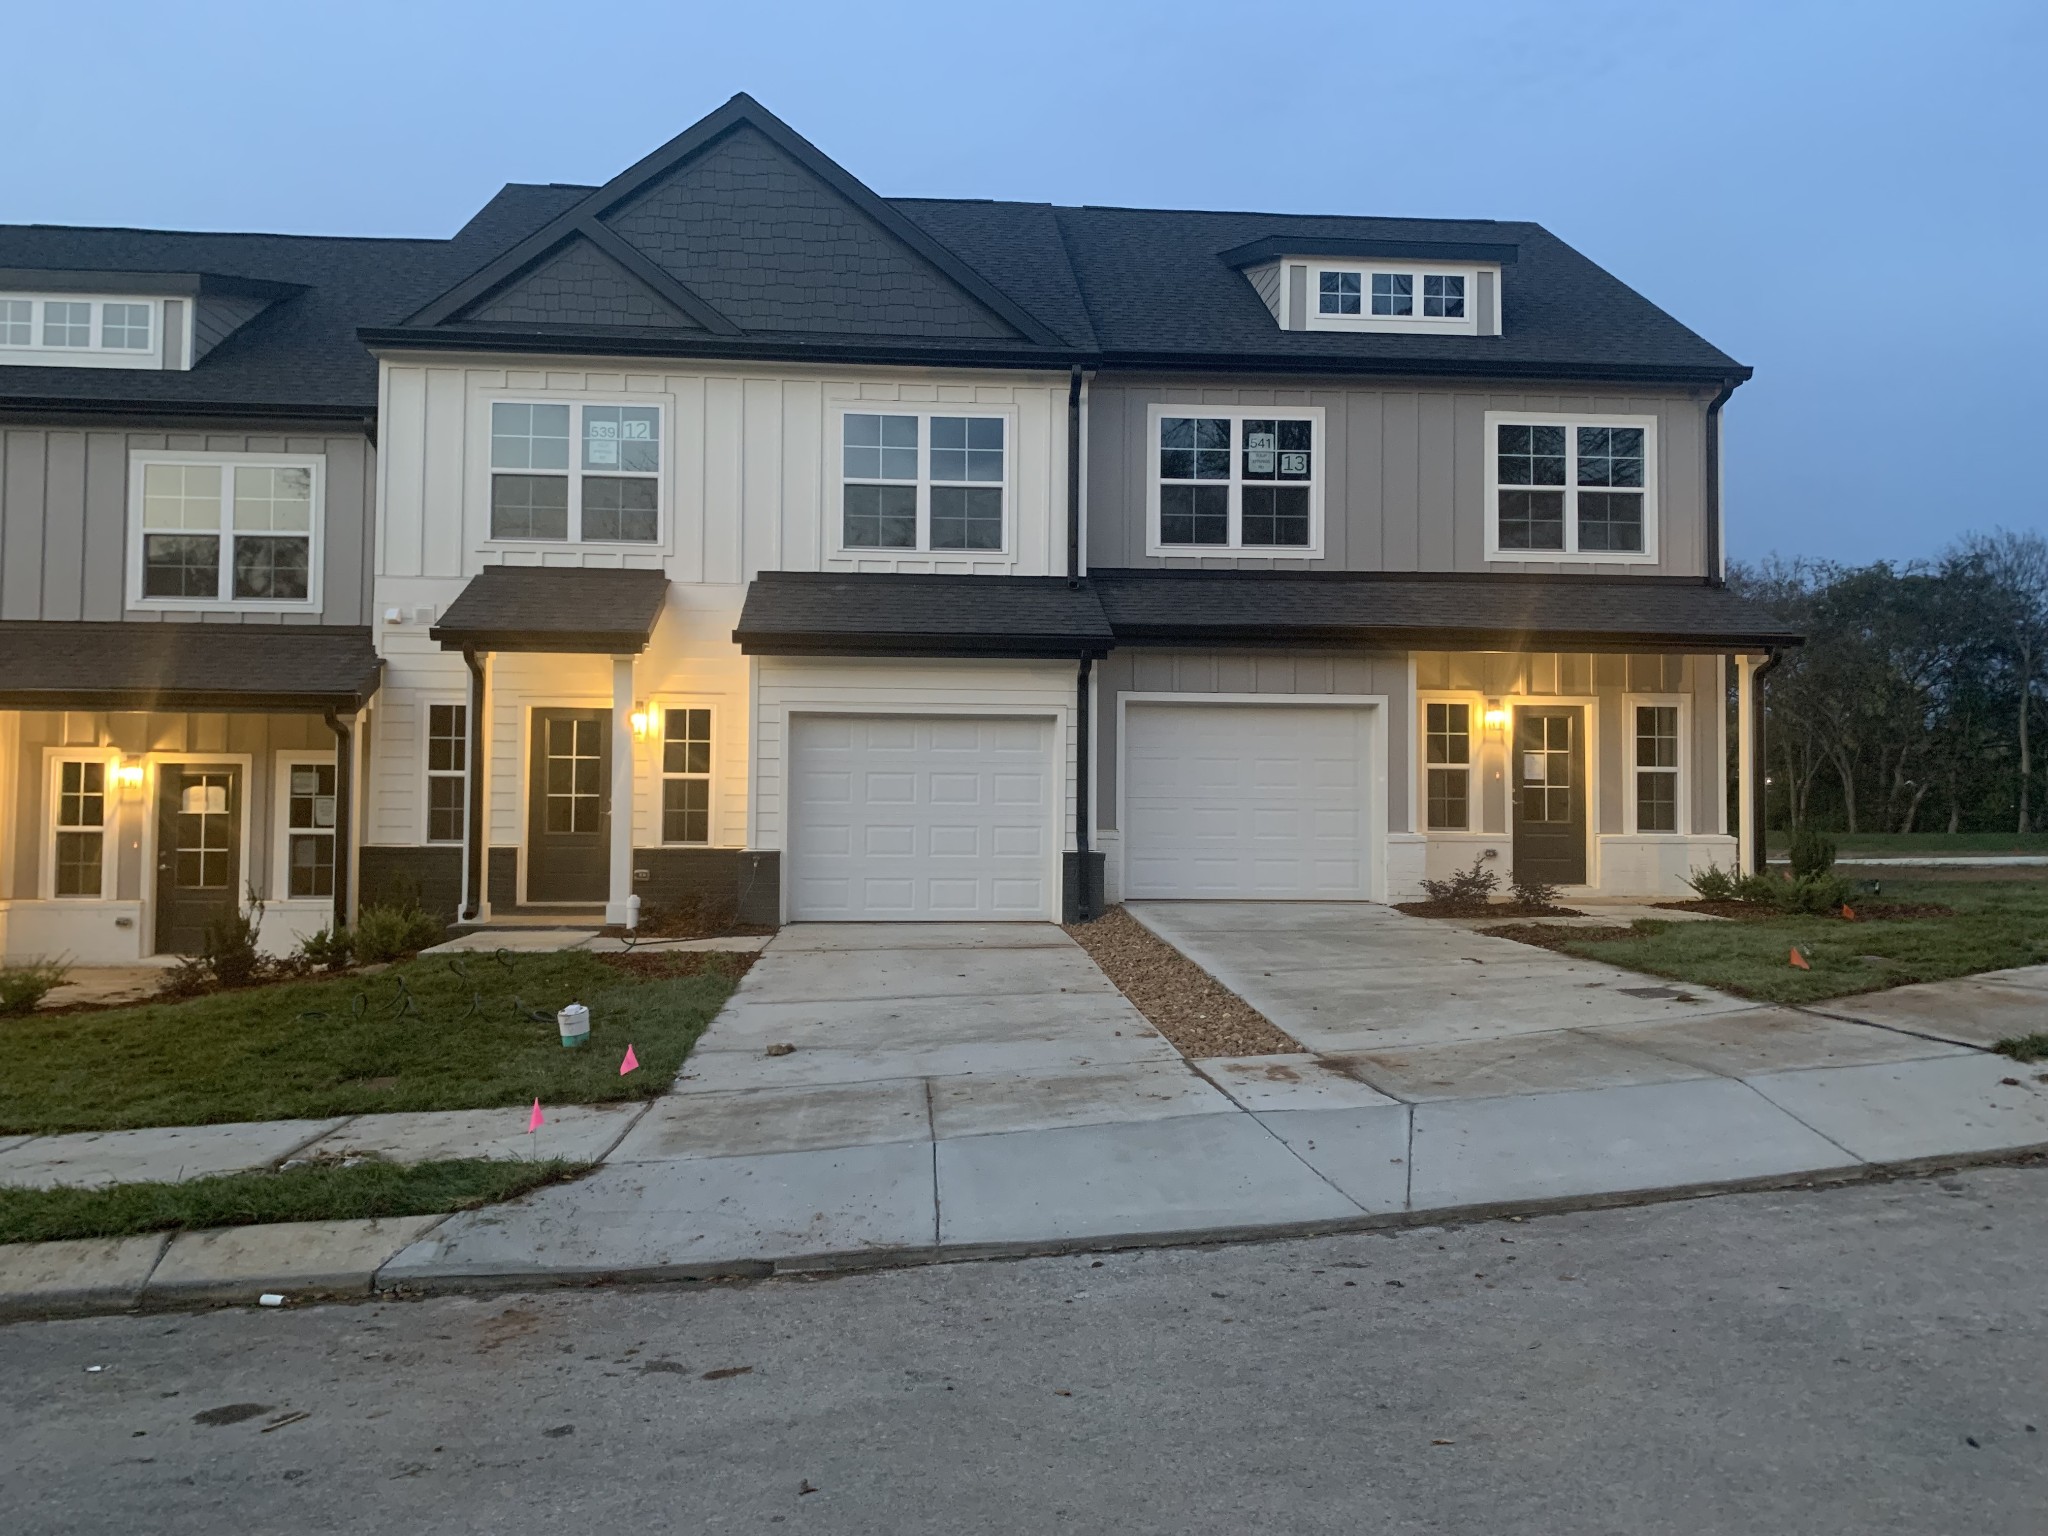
(1294, 464)
(1259, 450)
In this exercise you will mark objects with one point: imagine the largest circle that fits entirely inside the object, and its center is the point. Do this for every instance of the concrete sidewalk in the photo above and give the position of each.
(959, 1091)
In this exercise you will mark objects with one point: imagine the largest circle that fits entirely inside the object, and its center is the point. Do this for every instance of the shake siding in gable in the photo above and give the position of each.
(1404, 472)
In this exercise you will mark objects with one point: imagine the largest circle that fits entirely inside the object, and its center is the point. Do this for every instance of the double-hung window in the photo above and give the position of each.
(1447, 757)
(1238, 480)
(81, 827)
(227, 530)
(686, 776)
(1571, 487)
(575, 472)
(309, 829)
(923, 481)
(447, 770)
(1656, 767)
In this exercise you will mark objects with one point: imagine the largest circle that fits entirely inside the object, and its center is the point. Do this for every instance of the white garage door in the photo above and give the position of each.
(1254, 800)
(920, 817)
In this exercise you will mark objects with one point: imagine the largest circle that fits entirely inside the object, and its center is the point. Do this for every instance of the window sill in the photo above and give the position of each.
(219, 605)
(1562, 556)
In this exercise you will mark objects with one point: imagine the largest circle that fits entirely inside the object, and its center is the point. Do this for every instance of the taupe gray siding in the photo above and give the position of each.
(1404, 471)
(1259, 672)
(64, 521)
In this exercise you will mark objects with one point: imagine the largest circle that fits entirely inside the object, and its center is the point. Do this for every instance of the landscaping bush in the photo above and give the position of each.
(1467, 888)
(392, 933)
(1812, 893)
(1812, 853)
(228, 948)
(327, 949)
(1712, 883)
(23, 986)
(1532, 892)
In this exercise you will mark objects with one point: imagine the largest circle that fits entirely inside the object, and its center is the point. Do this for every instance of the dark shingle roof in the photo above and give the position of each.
(67, 664)
(808, 613)
(554, 608)
(1475, 611)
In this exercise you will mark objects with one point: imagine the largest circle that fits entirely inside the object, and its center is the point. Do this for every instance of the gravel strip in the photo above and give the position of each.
(1182, 1001)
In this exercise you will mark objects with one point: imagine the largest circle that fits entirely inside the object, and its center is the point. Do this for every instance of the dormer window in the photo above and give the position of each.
(1340, 293)
(1443, 296)
(1396, 296)
(64, 330)
(1393, 293)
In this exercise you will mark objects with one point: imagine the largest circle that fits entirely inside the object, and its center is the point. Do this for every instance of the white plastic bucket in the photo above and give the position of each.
(574, 1022)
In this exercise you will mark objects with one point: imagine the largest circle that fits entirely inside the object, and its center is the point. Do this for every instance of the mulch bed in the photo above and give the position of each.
(1544, 936)
(1187, 1005)
(1481, 909)
(1866, 911)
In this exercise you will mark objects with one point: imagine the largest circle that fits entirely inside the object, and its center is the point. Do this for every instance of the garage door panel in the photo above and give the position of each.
(1268, 801)
(920, 817)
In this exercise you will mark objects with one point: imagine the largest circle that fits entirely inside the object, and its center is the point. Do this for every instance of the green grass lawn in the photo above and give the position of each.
(439, 1032)
(1901, 845)
(1995, 925)
(313, 1193)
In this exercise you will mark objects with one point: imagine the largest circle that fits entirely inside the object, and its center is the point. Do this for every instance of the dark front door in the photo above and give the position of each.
(198, 851)
(1550, 794)
(568, 836)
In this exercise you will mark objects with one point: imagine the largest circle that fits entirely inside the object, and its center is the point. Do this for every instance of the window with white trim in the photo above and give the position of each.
(1375, 296)
(924, 480)
(1656, 768)
(222, 529)
(59, 329)
(309, 829)
(1571, 487)
(447, 771)
(1447, 759)
(79, 857)
(1243, 479)
(686, 776)
(575, 472)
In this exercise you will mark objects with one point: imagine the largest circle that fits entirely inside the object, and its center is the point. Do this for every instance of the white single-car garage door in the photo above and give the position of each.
(922, 817)
(1274, 801)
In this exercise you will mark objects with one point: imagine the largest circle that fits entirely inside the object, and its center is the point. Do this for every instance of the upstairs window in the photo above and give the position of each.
(66, 330)
(1564, 487)
(923, 482)
(1339, 295)
(588, 473)
(226, 530)
(1393, 293)
(1245, 480)
(1443, 297)
(1376, 296)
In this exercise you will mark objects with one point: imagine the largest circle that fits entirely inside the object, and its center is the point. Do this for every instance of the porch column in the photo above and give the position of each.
(621, 888)
(344, 728)
(1745, 762)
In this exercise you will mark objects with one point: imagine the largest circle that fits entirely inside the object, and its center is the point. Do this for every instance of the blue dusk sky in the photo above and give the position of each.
(1848, 197)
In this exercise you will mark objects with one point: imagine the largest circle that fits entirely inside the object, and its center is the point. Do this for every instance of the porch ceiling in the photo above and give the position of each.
(61, 664)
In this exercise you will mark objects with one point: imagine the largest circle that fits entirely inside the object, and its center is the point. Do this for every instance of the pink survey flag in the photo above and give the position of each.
(630, 1064)
(535, 1120)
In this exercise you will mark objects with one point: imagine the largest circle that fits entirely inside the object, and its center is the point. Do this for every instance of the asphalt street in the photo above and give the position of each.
(1862, 1359)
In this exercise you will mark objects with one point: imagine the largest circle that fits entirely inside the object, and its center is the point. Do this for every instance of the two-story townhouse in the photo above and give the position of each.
(745, 533)
(187, 489)
(730, 531)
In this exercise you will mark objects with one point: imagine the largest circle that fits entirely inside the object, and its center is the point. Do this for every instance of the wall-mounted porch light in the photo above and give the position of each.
(646, 720)
(1496, 716)
(128, 774)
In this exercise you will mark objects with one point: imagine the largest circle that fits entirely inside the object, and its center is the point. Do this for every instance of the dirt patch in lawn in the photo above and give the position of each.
(1470, 909)
(666, 965)
(1548, 936)
(1197, 1013)
(1866, 911)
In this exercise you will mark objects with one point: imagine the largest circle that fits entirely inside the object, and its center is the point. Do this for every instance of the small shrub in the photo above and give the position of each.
(1712, 883)
(327, 949)
(1813, 893)
(23, 986)
(1812, 853)
(228, 947)
(1760, 890)
(391, 933)
(1467, 888)
(1532, 892)
(190, 977)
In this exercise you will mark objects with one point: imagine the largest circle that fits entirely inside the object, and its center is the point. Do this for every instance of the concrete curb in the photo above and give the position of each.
(234, 1265)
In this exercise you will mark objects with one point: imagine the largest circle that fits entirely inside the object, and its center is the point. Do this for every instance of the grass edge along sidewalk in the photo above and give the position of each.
(313, 1192)
(439, 1032)
(1994, 926)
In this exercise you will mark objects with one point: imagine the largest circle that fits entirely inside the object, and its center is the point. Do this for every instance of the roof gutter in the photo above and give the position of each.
(1715, 538)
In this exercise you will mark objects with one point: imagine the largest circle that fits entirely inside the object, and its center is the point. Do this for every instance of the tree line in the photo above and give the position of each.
(1915, 704)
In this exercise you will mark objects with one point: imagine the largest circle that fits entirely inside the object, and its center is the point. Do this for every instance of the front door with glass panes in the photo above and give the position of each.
(198, 851)
(1550, 794)
(568, 846)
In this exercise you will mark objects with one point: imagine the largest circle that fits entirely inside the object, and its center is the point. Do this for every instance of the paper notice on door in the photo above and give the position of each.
(1532, 767)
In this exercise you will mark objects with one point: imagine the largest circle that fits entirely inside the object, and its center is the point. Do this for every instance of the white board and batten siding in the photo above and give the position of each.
(759, 442)
(957, 776)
